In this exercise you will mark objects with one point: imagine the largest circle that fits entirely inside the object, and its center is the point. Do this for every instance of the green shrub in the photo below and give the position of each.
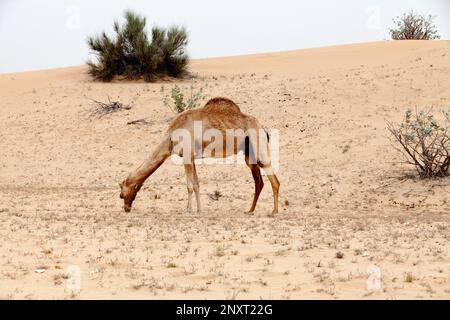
(425, 142)
(130, 53)
(181, 100)
(412, 26)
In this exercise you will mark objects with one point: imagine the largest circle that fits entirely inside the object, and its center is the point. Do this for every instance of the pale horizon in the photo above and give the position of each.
(58, 36)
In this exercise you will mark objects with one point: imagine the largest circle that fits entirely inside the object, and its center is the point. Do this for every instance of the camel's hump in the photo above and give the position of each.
(220, 104)
(216, 110)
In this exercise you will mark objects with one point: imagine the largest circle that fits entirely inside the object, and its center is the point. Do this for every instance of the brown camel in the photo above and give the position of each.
(224, 119)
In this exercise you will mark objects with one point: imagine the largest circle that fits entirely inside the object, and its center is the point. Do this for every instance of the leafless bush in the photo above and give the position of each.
(102, 108)
(424, 142)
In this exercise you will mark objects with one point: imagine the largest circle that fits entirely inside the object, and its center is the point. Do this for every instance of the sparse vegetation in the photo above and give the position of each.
(216, 195)
(414, 26)
(103, 108)
(424, 141)
(182, 101)
(220, 251)
(131, 53)
(346, 148)
(59, 278)
(61, 209)
(409, 277)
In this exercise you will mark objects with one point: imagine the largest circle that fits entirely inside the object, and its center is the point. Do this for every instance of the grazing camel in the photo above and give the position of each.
(224, 119)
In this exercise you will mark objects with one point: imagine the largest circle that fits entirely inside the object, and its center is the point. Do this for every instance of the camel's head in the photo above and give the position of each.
(128, 193)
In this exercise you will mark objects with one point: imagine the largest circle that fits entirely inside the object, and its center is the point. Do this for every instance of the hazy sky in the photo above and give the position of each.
(38, 34)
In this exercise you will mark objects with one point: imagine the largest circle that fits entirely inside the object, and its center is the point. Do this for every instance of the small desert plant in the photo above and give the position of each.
(424, 142)
(220, 251)
(409, 277)
(413, 26)
(132, 54)
(216, 195)
(182, 101)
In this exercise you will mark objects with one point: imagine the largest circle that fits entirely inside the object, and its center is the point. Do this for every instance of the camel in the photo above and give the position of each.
(221, 115)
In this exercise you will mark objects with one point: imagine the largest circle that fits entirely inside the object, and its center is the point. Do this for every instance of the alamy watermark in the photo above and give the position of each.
(374, 19)
(228, 146)
(73, 279)
(73, 21)
(374, 278)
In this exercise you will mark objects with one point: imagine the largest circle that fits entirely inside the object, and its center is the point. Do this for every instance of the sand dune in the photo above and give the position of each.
(343, 188)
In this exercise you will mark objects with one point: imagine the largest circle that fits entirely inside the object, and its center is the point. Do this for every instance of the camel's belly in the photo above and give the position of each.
(219, 149)
(211, 148)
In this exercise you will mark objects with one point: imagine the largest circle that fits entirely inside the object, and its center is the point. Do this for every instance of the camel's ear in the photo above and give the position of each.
(120, 185)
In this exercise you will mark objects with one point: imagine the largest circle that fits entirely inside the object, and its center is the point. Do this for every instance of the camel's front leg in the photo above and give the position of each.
(263, 157)
(196, 188)
(190, 185)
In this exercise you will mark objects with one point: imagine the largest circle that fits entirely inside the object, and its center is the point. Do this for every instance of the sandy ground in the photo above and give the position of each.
(346, 202)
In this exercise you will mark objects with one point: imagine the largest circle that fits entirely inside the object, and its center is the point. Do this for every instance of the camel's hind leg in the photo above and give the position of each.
(259, 149)
(275, 185)
(275, 188)
(259, 183)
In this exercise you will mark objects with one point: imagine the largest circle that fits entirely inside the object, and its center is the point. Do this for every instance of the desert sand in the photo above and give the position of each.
(347, 204)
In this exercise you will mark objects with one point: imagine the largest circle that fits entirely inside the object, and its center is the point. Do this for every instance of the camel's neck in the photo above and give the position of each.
(146, 169)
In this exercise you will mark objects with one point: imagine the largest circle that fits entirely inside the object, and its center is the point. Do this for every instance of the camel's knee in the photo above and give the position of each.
(190, 190)
(275, 182)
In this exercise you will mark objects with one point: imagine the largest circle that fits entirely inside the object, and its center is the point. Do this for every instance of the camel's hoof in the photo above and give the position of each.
(273, 214)
(250, 213)
(188, 211)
